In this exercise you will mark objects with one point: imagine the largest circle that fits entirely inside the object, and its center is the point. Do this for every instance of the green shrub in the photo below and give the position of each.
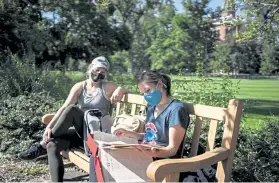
(18, 76)
(257, 155)
(125, 80)
(58, 84)
(20, 120)
(202, 90)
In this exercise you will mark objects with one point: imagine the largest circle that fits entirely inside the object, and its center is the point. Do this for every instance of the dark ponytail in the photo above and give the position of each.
(167, 83)
(153, 77)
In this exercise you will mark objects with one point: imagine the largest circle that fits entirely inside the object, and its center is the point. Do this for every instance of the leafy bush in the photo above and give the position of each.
(125, 80)
(21, 76)
(18, 76)
(20, 120)
(257, 155)
(58, 84)
(203, 90)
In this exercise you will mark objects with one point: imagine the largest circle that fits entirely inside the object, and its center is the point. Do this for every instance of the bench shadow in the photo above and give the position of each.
(77, 178)
(261, 107)
(257, 106)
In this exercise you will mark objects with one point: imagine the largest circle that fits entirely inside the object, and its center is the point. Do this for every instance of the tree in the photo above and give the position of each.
(186, 40)
(236, 57)
(139, 16)
(160, 48)
(201, 33)
(82, 30)
(18, 30)
(268, 58)
(78, 30)
(220, 61)
(261, 19)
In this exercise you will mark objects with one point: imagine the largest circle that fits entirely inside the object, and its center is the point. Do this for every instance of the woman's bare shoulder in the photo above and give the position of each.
(78, 86)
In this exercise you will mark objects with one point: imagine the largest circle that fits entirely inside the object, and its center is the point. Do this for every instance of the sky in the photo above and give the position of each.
(213, 4)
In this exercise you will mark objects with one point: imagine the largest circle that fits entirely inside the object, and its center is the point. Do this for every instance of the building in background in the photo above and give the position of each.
(225, 24)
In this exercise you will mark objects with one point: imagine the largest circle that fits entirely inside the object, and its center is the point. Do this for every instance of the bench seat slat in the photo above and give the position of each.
(78, 157)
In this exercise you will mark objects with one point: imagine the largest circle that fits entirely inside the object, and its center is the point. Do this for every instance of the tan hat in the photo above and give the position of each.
(100, 62)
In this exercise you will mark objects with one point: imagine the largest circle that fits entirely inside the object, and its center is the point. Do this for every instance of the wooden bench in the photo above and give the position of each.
(168, 170)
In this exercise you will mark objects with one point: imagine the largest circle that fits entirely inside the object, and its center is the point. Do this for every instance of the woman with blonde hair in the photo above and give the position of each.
(66, 127)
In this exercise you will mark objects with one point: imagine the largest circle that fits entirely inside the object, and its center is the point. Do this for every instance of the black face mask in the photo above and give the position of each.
(97, 77)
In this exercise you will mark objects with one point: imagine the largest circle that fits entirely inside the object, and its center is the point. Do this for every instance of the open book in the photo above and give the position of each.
(110, 141)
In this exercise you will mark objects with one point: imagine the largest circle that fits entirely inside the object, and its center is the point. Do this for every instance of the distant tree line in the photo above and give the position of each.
(137, 35)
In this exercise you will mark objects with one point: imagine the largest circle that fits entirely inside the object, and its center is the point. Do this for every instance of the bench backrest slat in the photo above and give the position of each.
(205, 111)
(212, 134)
(134, 108)
(117, 112)
(142, 108)
(196, 136)
(134, 99)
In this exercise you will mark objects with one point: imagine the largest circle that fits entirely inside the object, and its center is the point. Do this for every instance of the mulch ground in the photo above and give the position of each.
(15, 170)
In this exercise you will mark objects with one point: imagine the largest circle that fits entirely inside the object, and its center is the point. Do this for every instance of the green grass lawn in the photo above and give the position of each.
(261, 100)
(259, 89)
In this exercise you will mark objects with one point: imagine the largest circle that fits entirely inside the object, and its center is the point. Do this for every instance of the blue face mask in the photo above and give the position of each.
(154, 97)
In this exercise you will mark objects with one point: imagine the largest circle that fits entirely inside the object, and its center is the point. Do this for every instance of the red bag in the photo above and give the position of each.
(97, 162)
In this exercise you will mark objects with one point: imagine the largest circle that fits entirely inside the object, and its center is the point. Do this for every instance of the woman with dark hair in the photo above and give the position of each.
(166, 118)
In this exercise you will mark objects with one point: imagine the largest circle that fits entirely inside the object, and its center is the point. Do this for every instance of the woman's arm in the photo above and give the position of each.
(176, 135)
(113, 92)
(71, 99)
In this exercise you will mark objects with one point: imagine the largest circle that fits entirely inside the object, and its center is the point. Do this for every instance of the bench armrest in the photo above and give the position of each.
(157, 170)
(47, 118)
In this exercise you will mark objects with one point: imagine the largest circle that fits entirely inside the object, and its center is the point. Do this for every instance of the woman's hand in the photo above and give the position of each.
(47, 134)
(117, 95)
(121, 132)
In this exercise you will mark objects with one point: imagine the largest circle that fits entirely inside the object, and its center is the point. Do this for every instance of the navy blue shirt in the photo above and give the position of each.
(157, 129)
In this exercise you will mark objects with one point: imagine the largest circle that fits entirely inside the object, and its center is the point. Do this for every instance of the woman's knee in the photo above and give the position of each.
(51, 146)
(57, 145)
(71, 107)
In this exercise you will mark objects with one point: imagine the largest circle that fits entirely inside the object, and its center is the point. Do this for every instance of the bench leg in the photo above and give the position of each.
(92, 172)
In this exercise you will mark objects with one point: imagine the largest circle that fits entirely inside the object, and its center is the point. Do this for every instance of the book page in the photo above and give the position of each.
(105, 140)
(101, 137)
(117, 144)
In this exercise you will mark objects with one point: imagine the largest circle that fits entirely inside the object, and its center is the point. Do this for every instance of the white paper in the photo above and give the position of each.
(101, 137)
